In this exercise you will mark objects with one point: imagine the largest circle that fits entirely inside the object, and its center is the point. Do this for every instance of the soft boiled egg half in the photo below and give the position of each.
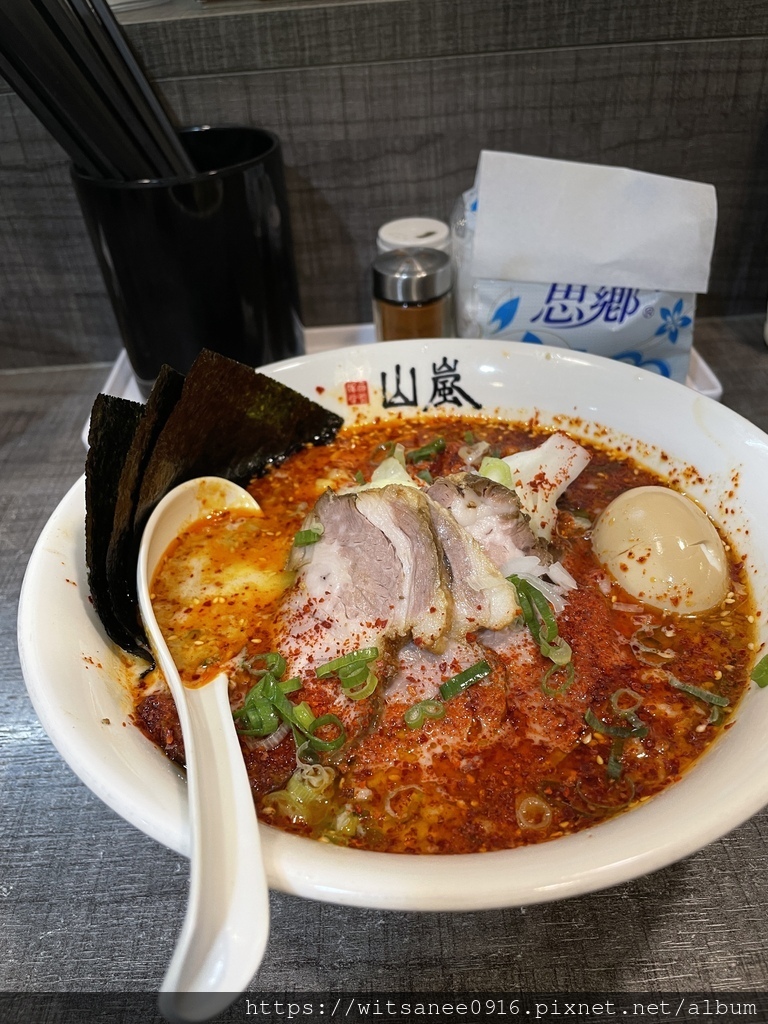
(662, 549)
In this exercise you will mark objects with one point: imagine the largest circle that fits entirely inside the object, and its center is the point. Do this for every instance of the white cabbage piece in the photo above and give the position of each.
(540, 475)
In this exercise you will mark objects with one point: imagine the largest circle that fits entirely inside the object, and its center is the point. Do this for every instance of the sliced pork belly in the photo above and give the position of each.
(339, 603)
(472, 720)
(420, 599)
(374, 578)
(482, 597)
(489, 512)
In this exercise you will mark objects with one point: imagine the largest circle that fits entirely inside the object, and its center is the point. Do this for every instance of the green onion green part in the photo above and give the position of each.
(619, 701)
(415, 715)
(274, 663)
(331, 668)
(614, 767)
(697, 691)
(322, 722)
(362, 689)
(760, 672)
(463, 680)
(429, 451)
(266, 704)
(636, 729)
(564, 685)
(541, 622)
(306, 537)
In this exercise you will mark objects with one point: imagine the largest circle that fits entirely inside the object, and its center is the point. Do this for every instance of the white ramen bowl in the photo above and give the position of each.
(77, 680)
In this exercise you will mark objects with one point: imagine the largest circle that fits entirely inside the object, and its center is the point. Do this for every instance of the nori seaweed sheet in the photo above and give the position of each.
(231, 422)
(113, 425)
(228, 421)
(123, 550)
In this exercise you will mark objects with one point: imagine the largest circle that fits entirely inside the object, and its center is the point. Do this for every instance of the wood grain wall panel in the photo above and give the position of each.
(369, 136)
(221, 38)
(364, 144)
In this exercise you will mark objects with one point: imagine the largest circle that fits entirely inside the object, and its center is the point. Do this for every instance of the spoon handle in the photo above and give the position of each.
(226, 926)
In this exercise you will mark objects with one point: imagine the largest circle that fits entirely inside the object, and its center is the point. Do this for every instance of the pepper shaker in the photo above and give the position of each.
(412, 294)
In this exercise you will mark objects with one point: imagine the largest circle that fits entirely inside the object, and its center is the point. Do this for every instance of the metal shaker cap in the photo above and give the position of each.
(415, 275)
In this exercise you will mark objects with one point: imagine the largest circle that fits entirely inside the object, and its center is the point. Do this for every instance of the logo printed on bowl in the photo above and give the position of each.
(445, 385)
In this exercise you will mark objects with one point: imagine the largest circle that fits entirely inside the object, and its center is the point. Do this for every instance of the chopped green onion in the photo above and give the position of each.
(496, 470)
(760, 672)
(331, 668)
(565, 685)
(267, 703)
(304, 716)
(274, 663)
(469, 437)
(558, 651)
(625, 694)
(541, 622)
(427, 452)
(716, 715)
(361, 690)
(306, 537)
(383, 451)
(635, 730)
(260, 715)
(323, 721)
(595, 805)
(290, 685)
(697, 691)
(614, 767)
(359, 477)
(415, 715)
(426, 476)
(463, 680)
(305, 795)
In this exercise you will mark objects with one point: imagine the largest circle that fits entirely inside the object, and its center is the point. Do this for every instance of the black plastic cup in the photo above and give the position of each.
(200, 262)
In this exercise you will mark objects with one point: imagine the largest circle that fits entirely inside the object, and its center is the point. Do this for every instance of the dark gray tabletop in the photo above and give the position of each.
(89, 903)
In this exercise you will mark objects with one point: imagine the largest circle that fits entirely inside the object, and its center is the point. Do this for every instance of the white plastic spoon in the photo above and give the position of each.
(225, 930)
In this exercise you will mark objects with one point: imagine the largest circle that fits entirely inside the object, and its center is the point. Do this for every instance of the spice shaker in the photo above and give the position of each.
(412, 294)
(414, 233)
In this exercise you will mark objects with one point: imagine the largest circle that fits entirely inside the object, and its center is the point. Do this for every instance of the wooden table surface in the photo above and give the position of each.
(88, 903)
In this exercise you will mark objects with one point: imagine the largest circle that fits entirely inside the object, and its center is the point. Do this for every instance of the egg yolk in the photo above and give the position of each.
(662, 549)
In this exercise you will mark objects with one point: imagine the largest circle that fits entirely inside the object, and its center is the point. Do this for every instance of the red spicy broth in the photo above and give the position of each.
(519, 756)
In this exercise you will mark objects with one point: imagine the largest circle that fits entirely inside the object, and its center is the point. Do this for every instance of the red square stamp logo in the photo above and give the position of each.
(357, 392)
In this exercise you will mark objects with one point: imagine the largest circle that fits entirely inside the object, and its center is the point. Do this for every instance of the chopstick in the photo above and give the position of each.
(58, 92)
(42, 52)
(64, 23)
(70, 63)
(56, 123)
(100, 22)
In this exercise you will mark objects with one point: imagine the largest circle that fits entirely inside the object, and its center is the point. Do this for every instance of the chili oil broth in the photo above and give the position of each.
(474, 806)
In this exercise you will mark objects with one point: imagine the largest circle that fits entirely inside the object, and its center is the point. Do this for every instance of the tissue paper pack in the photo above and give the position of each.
(531, 232)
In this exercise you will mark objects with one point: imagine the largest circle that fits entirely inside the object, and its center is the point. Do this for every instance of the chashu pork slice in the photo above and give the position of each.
(374, 578)
(489, 512)
(482, 597)
(420, 598)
